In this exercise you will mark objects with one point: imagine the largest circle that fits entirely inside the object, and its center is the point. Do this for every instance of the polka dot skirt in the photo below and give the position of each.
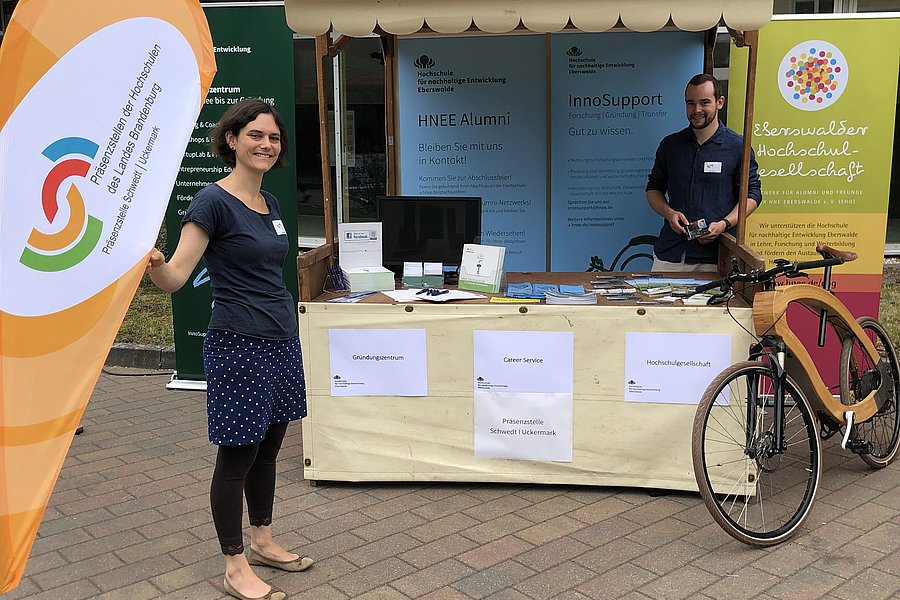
(250, 384)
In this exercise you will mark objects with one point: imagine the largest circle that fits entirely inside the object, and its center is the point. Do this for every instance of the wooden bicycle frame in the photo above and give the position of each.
(769, 308)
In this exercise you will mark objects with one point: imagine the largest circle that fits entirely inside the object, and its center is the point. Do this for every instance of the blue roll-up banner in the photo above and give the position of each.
(614, 97)
(473, 116)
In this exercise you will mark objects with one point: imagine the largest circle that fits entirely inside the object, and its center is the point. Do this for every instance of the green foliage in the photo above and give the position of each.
(889, 311)
(162, 240)
(149, 318)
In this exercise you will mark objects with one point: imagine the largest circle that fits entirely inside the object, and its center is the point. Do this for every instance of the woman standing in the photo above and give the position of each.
(251, 353)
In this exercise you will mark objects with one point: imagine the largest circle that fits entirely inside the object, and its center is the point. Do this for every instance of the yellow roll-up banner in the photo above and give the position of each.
(823, 133)
(99, 101)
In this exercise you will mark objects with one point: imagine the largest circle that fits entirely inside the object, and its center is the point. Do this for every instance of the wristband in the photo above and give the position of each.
(728, 224)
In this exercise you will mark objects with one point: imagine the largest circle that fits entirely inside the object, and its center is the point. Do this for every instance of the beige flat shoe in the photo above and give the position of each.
(274, 593)
(300, 563)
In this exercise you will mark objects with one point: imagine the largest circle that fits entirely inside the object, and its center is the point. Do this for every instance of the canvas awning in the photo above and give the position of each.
(404, 17)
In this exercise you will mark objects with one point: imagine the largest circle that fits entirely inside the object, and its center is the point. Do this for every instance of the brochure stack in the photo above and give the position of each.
(481, 269)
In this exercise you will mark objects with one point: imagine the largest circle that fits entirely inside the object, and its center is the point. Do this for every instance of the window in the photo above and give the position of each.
(363, 176)
(804, 7)
(308, 160)
(364, 143)
(877, 5)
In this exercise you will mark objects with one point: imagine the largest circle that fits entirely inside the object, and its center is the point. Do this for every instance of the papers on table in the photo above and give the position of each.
(659, 291)
(571, 289)
(414, 294)
(551, 293)
(351, 297)
(613, 288)
(701, 299)
(506, 300)
(568, 295)
(618, 294)
(669, 286)
(649, 280)
(528, 290)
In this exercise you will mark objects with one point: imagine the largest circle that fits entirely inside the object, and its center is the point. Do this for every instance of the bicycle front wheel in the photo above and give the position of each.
(859, 376)
(758, 493)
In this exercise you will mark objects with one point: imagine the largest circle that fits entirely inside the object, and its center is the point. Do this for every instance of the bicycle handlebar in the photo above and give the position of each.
(764, 276)
(709, 286)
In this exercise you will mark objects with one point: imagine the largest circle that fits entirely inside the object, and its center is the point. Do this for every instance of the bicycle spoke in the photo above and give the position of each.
(755, 490)
(877, 439)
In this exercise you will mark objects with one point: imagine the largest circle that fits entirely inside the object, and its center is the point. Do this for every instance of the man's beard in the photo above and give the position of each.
(707, 121)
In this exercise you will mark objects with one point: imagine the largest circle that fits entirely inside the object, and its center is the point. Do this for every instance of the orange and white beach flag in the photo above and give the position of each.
(98, 100)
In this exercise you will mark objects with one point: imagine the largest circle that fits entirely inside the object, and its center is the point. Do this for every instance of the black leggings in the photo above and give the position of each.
(244, 470)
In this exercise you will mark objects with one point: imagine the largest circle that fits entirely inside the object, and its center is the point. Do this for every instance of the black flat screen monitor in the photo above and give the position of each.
(427, 228)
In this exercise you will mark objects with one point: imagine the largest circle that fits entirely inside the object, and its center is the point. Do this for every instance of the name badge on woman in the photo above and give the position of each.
(712, 167)
(279, 227)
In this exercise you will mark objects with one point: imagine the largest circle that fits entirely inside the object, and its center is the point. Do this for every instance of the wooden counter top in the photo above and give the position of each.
(559, 278)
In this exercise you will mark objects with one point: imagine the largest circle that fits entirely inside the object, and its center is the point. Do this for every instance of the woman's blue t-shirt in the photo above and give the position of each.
(245, 257)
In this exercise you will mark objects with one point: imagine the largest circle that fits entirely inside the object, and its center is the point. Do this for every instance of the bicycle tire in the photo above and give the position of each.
(759, 499)
(859, 377)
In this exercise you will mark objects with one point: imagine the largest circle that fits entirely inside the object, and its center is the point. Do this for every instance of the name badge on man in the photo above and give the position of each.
(712, 167)
(279, 227)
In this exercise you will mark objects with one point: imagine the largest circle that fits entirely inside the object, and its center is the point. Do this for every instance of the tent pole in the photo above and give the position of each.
(322, 54)
(751, 39)
(389, 49)
(709, 47)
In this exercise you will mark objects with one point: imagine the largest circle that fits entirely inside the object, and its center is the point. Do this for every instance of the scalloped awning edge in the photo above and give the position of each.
(405, 17)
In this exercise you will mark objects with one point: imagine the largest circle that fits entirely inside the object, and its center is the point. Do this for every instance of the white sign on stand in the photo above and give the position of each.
(378, 362)
(360, 254)
(359, 245)
(523, 384)
(673, 368)
(523, 426)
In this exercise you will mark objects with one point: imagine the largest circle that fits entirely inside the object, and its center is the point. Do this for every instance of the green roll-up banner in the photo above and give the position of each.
(255, 59)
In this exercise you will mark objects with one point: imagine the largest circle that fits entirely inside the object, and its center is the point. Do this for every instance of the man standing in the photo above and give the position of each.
(697, 175)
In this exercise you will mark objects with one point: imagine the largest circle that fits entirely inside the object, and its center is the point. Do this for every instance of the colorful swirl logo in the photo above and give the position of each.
(71, 244)
(812, 75)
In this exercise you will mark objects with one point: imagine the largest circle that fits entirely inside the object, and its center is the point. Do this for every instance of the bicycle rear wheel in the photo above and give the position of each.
(859, 376)
(758, 495)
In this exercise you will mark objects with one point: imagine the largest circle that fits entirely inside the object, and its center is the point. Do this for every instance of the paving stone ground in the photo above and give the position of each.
(129, 520)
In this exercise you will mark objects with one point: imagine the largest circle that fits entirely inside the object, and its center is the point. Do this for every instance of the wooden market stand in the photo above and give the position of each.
(430, 438)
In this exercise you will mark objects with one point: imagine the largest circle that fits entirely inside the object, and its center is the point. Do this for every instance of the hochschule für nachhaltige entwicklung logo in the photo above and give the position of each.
(72, 243)
(813, 75)
(424, 62)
